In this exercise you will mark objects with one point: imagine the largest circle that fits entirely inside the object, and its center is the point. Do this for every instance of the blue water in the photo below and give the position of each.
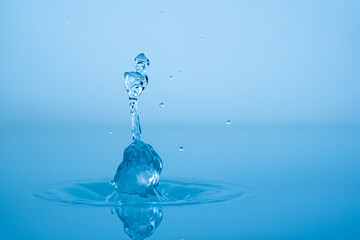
(308, 173)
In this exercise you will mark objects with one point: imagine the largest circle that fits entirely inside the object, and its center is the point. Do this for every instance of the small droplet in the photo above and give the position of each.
(39, 25)
(67, 16)
(112, 210)
(181, 238)
(161, 105)
(201, 37)
(171, 77)
(228, 122)
(179, 71)
(112, 182)
(110, 132)
(161, 12)
(181, 149)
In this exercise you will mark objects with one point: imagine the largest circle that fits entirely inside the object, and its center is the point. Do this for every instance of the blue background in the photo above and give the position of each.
(286, 73)
(258, 61)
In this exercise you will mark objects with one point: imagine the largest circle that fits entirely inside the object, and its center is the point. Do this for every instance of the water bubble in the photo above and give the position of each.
(228, 122)
(162, 105)
(110, 132)
(141, 63)
(181, 148)
(39, 24)
(171, 77)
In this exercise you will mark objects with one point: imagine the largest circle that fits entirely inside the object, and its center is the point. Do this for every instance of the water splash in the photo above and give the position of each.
(139, 172)
(135, 83)
(176, 192)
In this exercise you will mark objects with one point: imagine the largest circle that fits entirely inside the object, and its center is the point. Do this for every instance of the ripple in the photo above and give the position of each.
(175, 192)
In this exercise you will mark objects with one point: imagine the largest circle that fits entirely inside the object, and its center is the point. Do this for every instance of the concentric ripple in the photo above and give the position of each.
(175, 192)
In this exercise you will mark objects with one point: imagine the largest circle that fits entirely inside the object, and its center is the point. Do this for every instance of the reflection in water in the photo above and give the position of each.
(140, 221)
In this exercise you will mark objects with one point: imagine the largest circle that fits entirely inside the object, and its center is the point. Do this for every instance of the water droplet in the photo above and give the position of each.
(110, 132)
(161, 12)
(39, 24)
(228, 122)
(161, 105)
(171, 77)
(181, 238)
(135, 83)
(67, 16)
(112, 182)
(112, 210)
(201, 37)
(179, 71)
(181, 149)
(141, 63)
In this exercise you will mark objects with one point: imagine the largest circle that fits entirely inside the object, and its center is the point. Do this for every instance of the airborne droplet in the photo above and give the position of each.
(141, 63)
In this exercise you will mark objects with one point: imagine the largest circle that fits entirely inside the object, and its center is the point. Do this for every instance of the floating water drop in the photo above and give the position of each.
(201, 37)
(110, 132)
(39, 24)
(141, 63)
(181, 238)
(135, 83)
(67, 16)
(179, 71)
(162, 105)
(171, 77)
(161, 12)
(181, 149)
(228, 122)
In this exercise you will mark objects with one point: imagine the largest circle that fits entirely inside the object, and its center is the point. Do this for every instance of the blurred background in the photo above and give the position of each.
(249, 61)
